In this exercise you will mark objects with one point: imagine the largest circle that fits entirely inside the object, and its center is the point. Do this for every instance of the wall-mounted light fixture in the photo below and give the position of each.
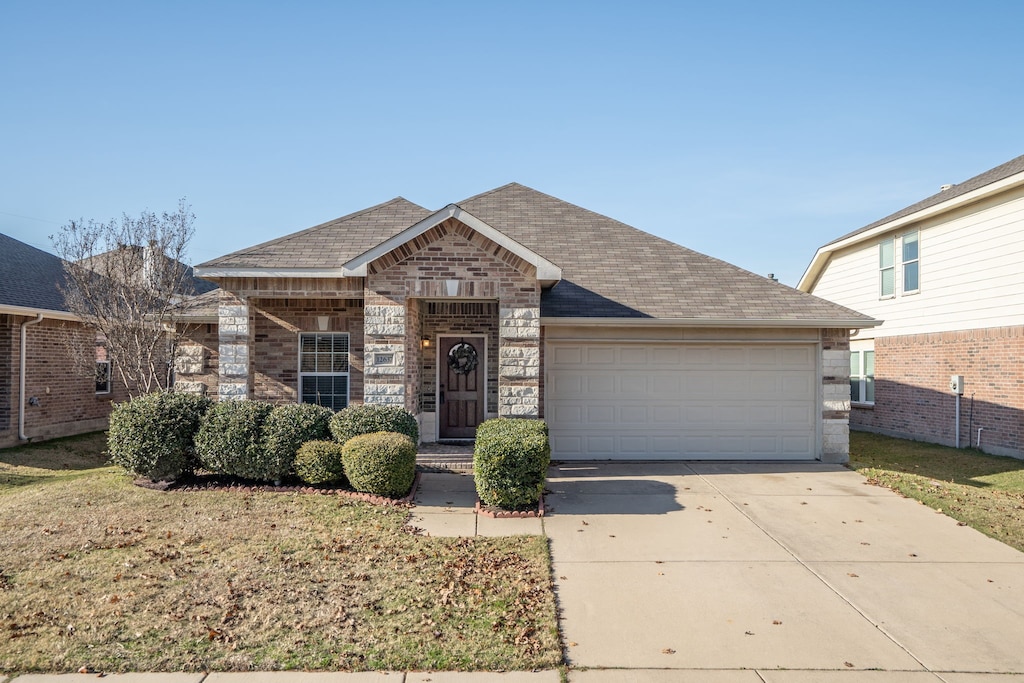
(323, 322)
(425, 342)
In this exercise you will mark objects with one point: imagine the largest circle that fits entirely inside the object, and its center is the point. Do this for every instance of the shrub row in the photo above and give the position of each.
(166, 435)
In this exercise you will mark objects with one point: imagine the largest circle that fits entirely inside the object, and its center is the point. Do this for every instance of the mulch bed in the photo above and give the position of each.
(214, 482)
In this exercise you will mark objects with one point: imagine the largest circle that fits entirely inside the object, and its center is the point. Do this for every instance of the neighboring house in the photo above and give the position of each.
(515, 303)
(947, 277)
(41, 395)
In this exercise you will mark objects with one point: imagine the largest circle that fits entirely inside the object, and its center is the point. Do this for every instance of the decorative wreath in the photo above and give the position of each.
(462, 358)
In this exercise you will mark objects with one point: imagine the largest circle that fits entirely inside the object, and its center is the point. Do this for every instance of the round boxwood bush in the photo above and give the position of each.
(510, 461)
(153, 435)
(319, 462)
(383, 463)
(369, 418)
(230, 440)
(287, 428)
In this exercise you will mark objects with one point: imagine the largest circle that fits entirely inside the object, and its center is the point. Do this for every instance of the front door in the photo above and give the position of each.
(460, 386)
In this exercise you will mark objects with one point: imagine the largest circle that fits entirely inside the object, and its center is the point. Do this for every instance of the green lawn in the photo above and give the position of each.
(985, 492)
(96, 572)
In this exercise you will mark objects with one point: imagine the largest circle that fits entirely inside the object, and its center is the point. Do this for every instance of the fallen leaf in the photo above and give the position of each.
(848, 665)
(852, 575)
(864, 543)
(573, 644)
(961, 523)
(776, 622)
(668, 651)
(748, 633)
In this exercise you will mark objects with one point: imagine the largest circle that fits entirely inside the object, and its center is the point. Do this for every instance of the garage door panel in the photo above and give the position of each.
(615, 400)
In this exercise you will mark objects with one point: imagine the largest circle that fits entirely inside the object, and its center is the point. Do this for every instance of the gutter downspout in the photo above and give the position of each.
(21, 376)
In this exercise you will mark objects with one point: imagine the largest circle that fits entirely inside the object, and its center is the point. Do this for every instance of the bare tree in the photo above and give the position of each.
(126, 280)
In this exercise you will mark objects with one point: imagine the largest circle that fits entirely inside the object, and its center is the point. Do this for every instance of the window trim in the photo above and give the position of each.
(916, 260)
(891, 242)
(861, 376)
(110, 378)
(300, 374)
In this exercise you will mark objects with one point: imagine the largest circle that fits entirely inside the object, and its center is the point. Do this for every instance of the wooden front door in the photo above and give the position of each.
(460, 386)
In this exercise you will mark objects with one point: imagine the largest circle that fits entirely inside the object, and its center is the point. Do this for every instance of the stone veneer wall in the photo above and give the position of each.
(195, 368)
(912, 396)
(452, 260)
(234, 345)
(835, 395)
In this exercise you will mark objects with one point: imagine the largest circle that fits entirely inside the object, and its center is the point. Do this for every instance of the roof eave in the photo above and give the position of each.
(847, 323)
(45, 312)
(821, 257)
(221, 272)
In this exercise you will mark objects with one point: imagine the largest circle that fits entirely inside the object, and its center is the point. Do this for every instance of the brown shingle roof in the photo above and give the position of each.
(347, 237)
(610, 269)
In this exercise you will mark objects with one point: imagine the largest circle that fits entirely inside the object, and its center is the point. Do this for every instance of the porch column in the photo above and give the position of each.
(519, 362)
(234, 343)
(835, 396)
(383, 351)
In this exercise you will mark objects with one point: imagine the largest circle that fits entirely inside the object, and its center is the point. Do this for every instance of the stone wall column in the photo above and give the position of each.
(234, 348)
(519, 361)
(384, 326)
(835, 396)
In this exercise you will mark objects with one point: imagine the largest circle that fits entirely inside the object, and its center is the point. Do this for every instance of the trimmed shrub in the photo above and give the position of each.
(369, 418)
(287, 428)
(230, 440)
(320, 462)
(153, 435)
(510, 461)
(383, 463)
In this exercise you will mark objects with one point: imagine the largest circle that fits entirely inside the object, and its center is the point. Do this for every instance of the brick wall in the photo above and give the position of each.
(68, 403)
(7, 381)
(277, 324)
(912, 397)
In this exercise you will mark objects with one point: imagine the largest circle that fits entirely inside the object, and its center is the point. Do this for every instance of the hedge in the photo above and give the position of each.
(153, 435)
(230, 440)
(383, 463)
(320, 462)
(286, 428)
(368, 418)
(510, 461)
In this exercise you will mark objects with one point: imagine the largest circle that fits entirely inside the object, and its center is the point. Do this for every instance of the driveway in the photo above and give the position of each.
(773, 573)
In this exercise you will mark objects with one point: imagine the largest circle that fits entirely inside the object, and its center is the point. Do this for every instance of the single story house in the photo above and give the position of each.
(946, 275)
(516, 303)
(42, 396)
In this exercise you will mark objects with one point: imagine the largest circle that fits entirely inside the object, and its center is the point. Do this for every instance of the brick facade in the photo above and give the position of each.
(67, 401)
(912, 396)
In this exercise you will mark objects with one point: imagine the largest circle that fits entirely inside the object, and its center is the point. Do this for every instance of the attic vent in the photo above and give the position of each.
(944, 188)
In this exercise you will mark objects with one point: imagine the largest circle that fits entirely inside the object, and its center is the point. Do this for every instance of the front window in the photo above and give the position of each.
(323, 369)
(887, 269)
(862, 376)
(911, 263)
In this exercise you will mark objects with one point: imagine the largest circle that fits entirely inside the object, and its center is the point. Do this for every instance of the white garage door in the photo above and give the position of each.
(681, 401)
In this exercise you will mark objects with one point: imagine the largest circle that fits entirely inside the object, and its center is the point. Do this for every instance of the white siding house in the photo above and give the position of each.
(946, 276)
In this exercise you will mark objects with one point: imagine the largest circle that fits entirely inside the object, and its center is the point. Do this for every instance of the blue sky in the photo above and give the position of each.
(750, 131)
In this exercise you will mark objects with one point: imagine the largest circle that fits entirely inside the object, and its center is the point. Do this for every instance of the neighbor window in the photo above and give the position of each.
(887, 268)
(323, 369)
(862, 376)
(103, 377)
(911, 263)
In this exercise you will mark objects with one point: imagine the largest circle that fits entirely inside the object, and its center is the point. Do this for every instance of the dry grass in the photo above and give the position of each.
(97, 572)
(983, 491)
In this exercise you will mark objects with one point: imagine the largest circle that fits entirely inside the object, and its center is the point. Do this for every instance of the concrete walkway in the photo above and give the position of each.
(746, 573)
